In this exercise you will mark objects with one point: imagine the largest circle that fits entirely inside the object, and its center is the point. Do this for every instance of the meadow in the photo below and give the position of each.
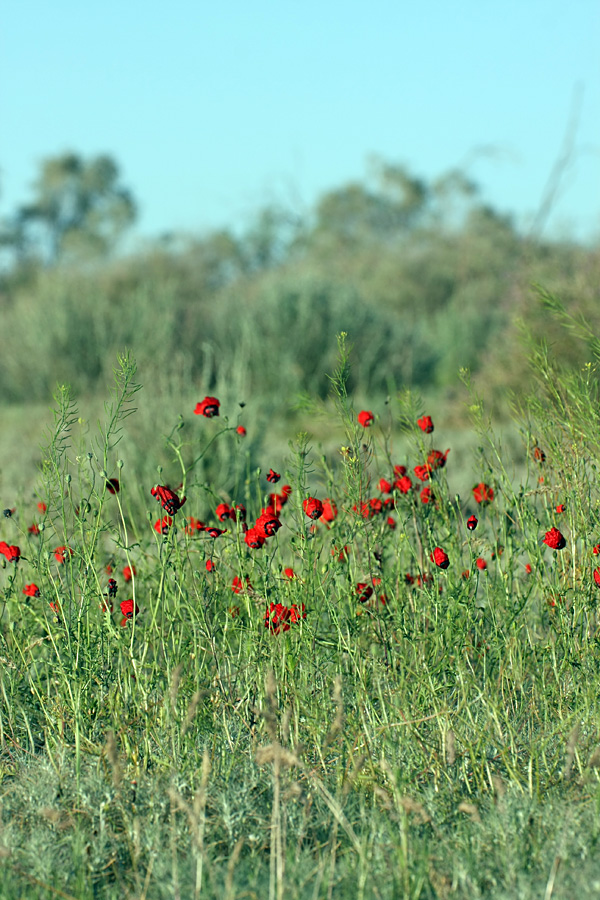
(230, 673)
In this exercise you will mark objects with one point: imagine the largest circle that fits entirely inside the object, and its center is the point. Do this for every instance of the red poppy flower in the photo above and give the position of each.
(210, 565)
(465, 574)
(596, 577)
(313, 508)
(254, 538)
(408, 579)
(129, 572)
(267, 524)
(596, 550)
(330, 511)
(554, 539)
(127, 608)
(215, 532)
(481, 563)
(343, 554)
(427, 495)
(403, 484)
(241, 431)
(161, 526)
(276, 618)
(364, 591)
(237, 585)
(425, 424)
(399, 471)
(112, 587)
(391, 522)
(297, 612)
(561, 508)
(223, 511)
(12, 553)
(33, 529)
(193, 525)
(42, 506)
(437, 459)
(273, 477)
(168, 498)
(422, 472)
(234, 611)
(539, 455)
(238, 512)
(375, 506)
(440, 558)
(385, 486)
(472, 523)
(483, 493)
(113, 486)
(528, 568)
(208, 407)
(31, 590)
(365, 418)
(61, 554)
(289, 573)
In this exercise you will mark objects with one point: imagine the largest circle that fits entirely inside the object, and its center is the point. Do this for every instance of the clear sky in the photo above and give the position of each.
(215, 109)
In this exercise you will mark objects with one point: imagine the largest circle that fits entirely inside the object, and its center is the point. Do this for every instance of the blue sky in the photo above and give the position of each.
(213, 110)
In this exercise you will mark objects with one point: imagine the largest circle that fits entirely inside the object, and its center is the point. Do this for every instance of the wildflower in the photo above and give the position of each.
(254, 538)
(42, 506)
(215, 532)
(539, 455)
(113, 485)
(365, 418)
(437, 459)
(391, 522)
(12, 553)
(210, 565)
(223, 511)
(554, 539)
(241, 431)
(168, 498)
(273, 477)
(596, 550)
(238, 512)
(31, 590)
(403, 484)
(234, 611)
(385, 486)
(237, 585)
(483, 493)
(465, 574)
(596, 577)
(129, 572)
(330, 511)
(440, 558)
(267, 524)
(161, 526)
(297, 612)
(128, 608)
(364, 591)
(289, 573)
(528, 568)
(561, 508)
(472, 523)
(208, 407)
(422, 472)
(425, 424)
(276, 618)
(313, 508)
(61, 553)
(481, 563)
(399, 471)
(408, 579)
(427, 495)
(343, 554)
(193, 525)
(34, 529)
(375, 506)
(112, 587)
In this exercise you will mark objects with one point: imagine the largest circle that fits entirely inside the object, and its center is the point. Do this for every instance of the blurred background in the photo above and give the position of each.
(223, 189)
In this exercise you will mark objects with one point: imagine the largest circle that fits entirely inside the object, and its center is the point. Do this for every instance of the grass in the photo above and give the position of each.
(374, 726)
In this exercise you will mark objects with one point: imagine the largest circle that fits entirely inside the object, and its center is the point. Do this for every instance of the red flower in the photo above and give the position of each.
(215, 532)
(241, 430)
(12, 553)
(596, 577)
(391, 522)
(42, 506)
(194, 525)
(365, 418)
(112, 587)
(33, 529)
(539, 455)
(481, 563)
(61, 553)
(427, 495)
(129, 572)
(237, 585)
(385, 486)
(210, 565)
(276, 618)
(127, 608)
(465, 574)
(289, 573)
(596, 550)
(113, 486)
(238, 512)
(343, 554)
(223, 511)
(273, 477)
(403, 484)
(267, 524)
(297, 613)
(528, 568)
(483, 493)
(422, 472)
(472, 523)
(554, 539)
(375, 506)
(161, 526)
(440, 558)
(364, 591)
(168, 498)
(425, 424)
(313, 508)
(208, 407)
(254, 538)
(561, 508)
(31, 590)
(437, 459)
(399, 471)
(330, 511)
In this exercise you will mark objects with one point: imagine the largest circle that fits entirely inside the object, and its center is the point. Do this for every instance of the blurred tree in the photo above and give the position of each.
(79, 211)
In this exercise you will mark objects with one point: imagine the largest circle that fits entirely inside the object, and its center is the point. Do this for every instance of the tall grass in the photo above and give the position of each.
(353, 720)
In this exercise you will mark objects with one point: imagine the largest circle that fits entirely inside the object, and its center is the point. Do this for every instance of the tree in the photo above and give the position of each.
(79, 211)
